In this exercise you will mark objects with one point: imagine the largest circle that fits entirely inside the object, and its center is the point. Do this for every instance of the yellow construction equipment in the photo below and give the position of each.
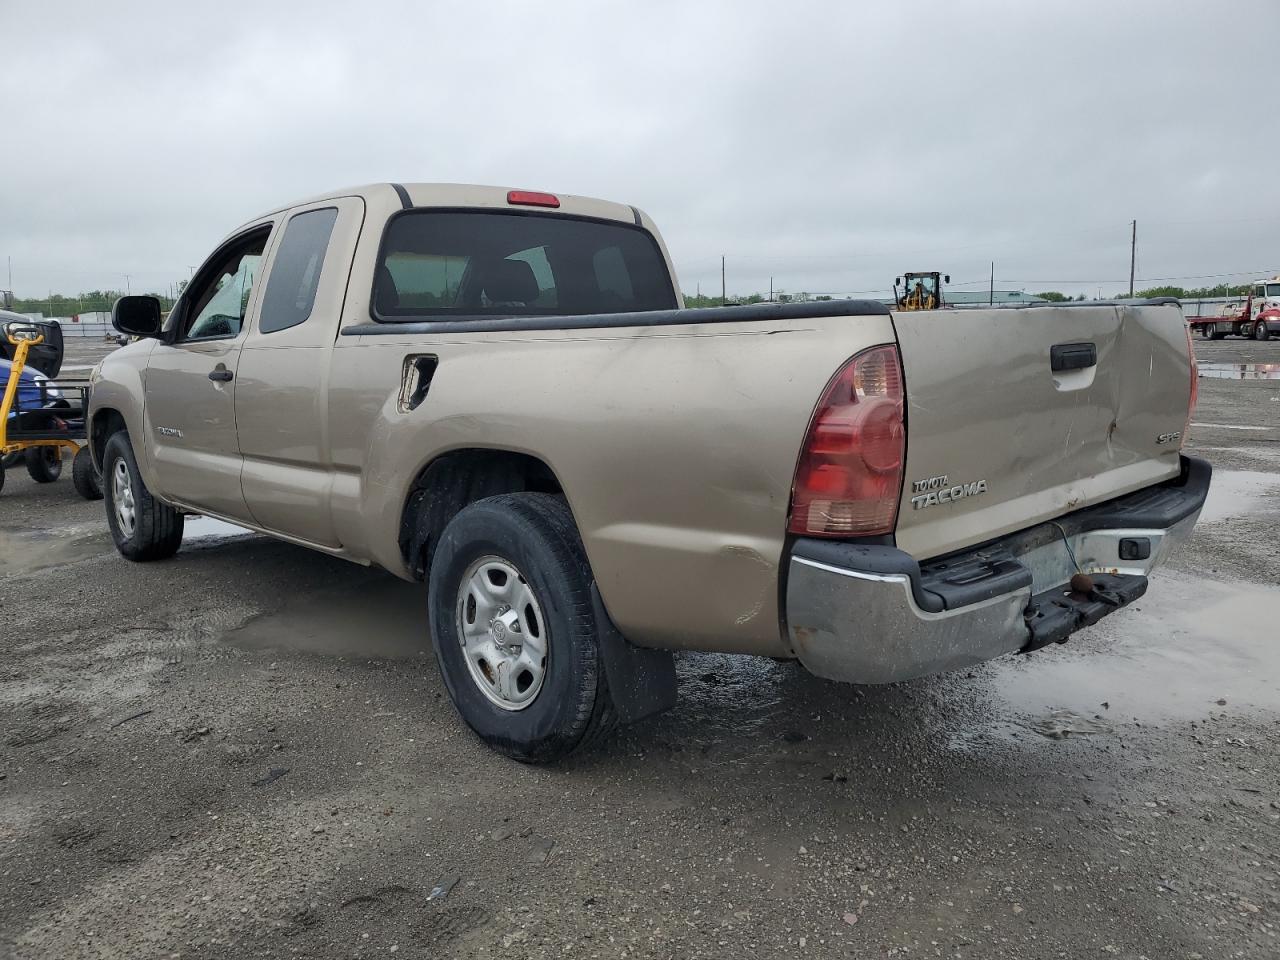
(920, 291)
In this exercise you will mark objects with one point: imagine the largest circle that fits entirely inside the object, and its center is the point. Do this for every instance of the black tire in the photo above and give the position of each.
(534, 533)
(157, 527)
(1206, 331)
(1, 476)
(84, 475)
(1261, 331)
(44, 463)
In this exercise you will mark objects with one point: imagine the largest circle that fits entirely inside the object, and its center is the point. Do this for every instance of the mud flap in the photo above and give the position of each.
(1052, 616)
(642, 682)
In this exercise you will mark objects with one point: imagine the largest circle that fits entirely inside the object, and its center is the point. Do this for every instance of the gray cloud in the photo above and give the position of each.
(824, 145)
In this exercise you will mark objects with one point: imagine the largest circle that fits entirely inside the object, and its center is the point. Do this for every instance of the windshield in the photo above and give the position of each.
(481, 264)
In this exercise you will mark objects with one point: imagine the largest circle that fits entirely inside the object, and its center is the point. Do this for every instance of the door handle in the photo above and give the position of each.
(1072, 356)
(221, 374)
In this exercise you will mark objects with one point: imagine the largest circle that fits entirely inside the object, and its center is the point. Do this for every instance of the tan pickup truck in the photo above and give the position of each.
(500, 393)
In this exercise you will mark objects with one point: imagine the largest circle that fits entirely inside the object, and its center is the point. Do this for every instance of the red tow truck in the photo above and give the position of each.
(1257, 317)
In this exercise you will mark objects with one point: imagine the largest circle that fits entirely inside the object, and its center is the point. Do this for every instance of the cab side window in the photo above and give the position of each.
(219, 301)
(295, 272)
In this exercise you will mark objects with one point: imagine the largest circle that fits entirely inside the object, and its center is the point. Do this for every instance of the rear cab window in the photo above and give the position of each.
(477, 263)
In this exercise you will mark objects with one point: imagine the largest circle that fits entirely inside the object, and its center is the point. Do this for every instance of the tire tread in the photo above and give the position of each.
(157, 533)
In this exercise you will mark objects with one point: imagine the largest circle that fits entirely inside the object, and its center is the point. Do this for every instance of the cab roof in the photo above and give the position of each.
(411, 195)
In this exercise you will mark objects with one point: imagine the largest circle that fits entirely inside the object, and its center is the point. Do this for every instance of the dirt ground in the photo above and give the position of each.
(247, 752)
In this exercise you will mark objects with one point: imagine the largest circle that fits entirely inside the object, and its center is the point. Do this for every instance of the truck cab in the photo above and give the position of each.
(1265, 309)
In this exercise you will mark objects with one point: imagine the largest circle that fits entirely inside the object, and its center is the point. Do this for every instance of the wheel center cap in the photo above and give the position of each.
(499, 630)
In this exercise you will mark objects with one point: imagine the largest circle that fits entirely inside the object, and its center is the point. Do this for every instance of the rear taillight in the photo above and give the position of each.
(1195, 388)
(849, 475)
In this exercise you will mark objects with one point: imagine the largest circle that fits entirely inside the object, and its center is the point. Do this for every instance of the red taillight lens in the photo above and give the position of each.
(849, 476)
(531, 198)
(1195, 387)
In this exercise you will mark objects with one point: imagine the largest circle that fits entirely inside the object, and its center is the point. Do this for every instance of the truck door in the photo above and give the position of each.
(282, 383)
(191, 382)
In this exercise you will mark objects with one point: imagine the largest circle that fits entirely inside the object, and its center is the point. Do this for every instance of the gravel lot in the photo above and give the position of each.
(247, 752)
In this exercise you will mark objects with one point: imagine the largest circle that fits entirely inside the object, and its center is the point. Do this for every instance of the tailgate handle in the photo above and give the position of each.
(1072, 356)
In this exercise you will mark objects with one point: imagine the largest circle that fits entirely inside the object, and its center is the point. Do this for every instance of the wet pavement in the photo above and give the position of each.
(246, 751)
(1240, 371)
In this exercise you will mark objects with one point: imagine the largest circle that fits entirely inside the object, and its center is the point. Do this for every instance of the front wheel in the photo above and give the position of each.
(514, 629)
(1261, 331)
(44, 464)
(142, 527)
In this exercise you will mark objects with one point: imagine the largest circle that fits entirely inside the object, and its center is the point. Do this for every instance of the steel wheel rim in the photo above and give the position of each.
(502, 634)
(122, 497)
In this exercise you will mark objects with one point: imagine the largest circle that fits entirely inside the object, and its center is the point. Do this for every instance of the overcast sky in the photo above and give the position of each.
(824, 145)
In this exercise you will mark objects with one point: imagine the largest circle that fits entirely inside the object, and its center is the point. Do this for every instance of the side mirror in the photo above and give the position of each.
(946, 278)
(137, 316)
(896, 281)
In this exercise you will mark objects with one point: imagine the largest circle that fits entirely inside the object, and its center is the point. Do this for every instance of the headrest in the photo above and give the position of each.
(510, 281)
(385, 295)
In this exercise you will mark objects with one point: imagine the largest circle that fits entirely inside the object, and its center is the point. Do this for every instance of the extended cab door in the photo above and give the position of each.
(191, 382)
(282, 384)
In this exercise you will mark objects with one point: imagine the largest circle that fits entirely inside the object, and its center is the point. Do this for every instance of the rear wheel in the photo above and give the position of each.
(514, 628)
(1261, 331)
(44, 464)
(84, 475)
(1206, 331)
(142, 527)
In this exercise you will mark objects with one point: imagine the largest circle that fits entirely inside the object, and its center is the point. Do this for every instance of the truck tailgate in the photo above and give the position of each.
(997, 440)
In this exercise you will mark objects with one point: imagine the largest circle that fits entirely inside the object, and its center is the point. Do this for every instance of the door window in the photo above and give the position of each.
(295, 272)
(221, 296)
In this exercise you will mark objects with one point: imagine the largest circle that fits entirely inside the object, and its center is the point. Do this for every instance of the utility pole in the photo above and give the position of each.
(771, 289)
(1133, 255)
(127, 287)
(724, 297)
(991, 291)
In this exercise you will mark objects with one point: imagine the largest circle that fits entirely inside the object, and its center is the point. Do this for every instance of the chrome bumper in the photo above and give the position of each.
(869, 626)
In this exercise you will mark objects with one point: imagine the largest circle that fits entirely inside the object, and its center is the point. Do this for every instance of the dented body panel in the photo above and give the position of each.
(985, 407)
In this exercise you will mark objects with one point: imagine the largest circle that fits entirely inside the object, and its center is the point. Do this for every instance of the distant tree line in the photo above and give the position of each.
(59, 305)
(95, 301)
(1196, 293)
(779, 296)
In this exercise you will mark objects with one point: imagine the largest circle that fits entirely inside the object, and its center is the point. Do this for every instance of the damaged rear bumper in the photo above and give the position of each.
(872, 614)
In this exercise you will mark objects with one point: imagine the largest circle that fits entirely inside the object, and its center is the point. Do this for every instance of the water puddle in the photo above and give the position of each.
(26, 551)
(1238, 493)
(380, 617)
(1226, 426)
(1240, 371)
(1185, 646)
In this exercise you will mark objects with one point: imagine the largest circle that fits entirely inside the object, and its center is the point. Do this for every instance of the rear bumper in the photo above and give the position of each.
(872, 614)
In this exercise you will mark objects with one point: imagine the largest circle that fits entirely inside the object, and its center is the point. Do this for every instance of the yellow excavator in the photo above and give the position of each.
(920, 291)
